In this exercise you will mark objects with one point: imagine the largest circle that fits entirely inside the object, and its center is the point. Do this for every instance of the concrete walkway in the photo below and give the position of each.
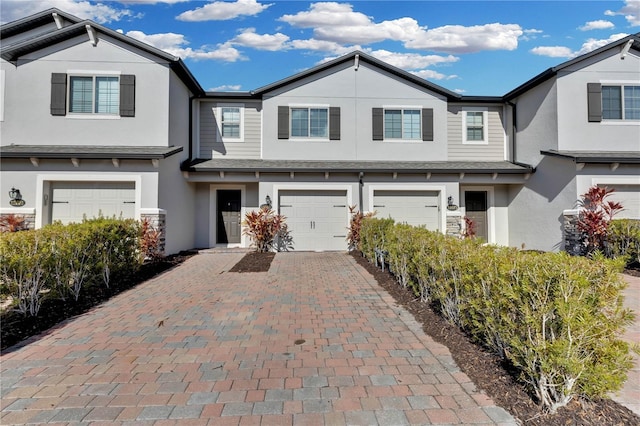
(629, 396)
(313, 341)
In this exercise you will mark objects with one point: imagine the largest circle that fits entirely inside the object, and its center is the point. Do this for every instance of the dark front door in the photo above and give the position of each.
(476, 210)
(228, 216)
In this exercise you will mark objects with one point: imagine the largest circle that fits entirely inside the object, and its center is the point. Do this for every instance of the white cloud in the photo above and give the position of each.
(323, 46)
(411, 61)
(593, 44)
(552, 51)
(176, 45)
(530, 34)
(630, 11)
(222, 11)
(337, 22)
(565, 52)
(461, 91)
(433, 75)
(271, 42)
(100, 13)
(597, 25)
(461, 39)
(327, 13)
(226, 88)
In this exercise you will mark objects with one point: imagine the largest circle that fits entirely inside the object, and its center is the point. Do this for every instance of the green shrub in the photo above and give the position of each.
(60, 260)
(556, 318)
(623, 239)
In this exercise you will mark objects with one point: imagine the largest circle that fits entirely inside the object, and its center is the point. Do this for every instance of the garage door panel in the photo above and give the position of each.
(416, 208)
(317, 219)
(72, 201)
(629, 197)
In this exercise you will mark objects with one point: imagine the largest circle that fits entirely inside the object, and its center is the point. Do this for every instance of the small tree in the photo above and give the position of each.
(267, 230)
(595, 216)
(150, 241)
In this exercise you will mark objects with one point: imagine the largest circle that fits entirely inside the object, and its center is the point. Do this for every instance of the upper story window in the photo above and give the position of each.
(403, 124)
(231, 122)
(94, 95)
(310, 122)
(474, 126)
(621, 102)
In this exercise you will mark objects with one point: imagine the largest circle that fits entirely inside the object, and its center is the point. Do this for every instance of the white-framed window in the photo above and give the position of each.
(621, 102)
(230, 122)
(310, 122)
(474, 126)
(402, 124)
(94, 94)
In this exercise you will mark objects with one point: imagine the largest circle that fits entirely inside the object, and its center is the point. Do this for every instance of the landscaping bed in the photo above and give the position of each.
(17, 327)
(491, 375)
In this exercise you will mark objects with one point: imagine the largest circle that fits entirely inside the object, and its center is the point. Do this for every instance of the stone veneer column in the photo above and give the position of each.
(157, 219)
(572, 236)
(454, 223)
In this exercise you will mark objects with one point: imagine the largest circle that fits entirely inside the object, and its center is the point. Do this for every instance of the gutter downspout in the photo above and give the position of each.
(360, 185)
(514, 129)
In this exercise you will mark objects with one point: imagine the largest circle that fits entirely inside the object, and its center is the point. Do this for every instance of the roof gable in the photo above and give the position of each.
(626, 44)
(356, 57)
(77, 27)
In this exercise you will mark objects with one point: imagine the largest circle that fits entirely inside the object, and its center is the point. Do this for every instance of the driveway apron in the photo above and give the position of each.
(313, 341)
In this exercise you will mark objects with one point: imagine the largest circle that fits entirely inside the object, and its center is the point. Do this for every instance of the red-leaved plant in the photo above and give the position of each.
(267, 230)
(13, 223)
(355, 226)
(469, 228)
(595, 216)
(150, 243)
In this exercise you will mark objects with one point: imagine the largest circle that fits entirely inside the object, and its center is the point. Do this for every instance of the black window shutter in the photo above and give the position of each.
(594, 101)
(427, 124)
(127, 95)
(283, 122)
(378, 124)
(334, 123)
(58, 94)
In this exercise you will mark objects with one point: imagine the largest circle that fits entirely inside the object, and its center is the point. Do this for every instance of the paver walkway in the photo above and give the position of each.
(629, 396)
(313, 341)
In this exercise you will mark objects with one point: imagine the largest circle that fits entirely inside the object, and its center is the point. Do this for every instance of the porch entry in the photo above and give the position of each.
(228, 216)
(476, 209)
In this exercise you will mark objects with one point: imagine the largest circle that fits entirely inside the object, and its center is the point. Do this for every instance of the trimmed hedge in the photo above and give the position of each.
(62, 260)
(556, 318)
(623, 240)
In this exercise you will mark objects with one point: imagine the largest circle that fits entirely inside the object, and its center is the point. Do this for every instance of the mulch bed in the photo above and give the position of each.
(491, 375)
(16, 327)
(254, 262)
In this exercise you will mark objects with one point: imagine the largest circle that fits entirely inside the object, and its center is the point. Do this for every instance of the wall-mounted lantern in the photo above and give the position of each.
(267, 203)
(450, 205)
(16, 198)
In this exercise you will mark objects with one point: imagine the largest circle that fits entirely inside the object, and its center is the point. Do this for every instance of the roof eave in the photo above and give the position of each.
(97, 155)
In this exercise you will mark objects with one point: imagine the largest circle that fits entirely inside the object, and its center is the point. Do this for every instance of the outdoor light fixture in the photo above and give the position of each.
(267, 200)
(450, 205)
(16, 198)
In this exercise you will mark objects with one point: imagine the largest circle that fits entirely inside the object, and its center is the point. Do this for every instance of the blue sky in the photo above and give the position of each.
(471, 47)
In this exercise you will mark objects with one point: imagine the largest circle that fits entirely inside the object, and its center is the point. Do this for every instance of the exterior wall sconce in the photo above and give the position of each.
(16, 198)
(267, 203)
(450, 205)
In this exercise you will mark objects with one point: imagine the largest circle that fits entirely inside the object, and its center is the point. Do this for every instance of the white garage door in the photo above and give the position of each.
(317, 220)
(413, 207)
(629, 196)
(71, 201)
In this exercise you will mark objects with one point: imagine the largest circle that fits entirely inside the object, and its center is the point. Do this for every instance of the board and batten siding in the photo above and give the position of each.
(211, 144)
(492, 151)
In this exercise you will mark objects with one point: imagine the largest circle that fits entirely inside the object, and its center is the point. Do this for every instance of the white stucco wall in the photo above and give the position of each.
(28, 97)
(356, 92)
(575, 133)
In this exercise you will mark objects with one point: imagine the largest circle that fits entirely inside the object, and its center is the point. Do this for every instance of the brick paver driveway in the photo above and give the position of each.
(313, 341)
